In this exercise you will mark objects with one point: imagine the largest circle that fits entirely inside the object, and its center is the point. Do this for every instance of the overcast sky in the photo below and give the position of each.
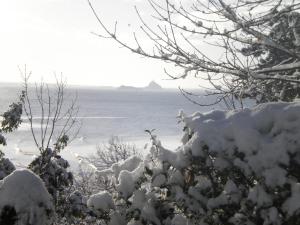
(54, 36)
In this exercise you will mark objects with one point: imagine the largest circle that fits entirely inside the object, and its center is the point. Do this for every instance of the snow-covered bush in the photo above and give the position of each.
(73, 210)
(24, 200)
(234, 167)
(101, 202)
(77, 204)
(53, 170)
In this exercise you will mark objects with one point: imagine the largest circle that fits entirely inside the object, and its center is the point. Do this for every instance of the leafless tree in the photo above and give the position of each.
(114, 151)
(53, 111)
(256, 44)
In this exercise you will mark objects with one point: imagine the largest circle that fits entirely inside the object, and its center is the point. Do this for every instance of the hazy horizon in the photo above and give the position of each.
(13, 83)
(54, 36)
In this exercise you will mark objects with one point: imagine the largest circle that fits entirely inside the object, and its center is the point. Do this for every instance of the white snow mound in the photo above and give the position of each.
(27, 194)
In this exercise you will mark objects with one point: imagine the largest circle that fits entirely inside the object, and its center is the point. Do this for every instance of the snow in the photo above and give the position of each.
(203, 183)
(259, 196)
(149, 213)
(129, 165)
(230, 163)
(138, 199)
(178, 159)
(275, 177)
(159, 180)
(179, 220)
(101, 202)
(176, 178)
(261, 142)
(117, 219)
(128, 180)
(271, 216)
(78, 203)
(292, 204)
(134, 222)
(26, 193)
(265, 136)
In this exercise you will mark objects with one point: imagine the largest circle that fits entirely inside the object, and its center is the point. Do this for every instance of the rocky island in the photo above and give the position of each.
(152, 86)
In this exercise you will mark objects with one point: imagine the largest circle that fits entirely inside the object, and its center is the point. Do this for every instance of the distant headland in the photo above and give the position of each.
(152, 86)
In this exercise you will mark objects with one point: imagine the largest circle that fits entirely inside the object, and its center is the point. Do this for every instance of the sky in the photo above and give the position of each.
(55, 37)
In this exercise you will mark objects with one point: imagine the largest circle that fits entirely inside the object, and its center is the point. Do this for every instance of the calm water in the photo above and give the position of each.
(104, 113)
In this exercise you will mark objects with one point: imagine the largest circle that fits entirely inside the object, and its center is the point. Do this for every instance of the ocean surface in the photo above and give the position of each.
(103, 113)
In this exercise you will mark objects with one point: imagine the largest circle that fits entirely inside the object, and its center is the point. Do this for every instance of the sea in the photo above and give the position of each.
(103, 113)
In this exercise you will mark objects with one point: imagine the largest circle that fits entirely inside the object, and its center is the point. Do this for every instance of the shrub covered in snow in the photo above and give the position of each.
(101, 202)
(52, 169)
(234, 167)
(24, 200)
(77, 204)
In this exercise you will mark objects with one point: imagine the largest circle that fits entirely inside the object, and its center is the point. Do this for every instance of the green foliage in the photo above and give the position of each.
(61, 143)
(11, 121)
(8, 216)
(12, 117)
(52, 169)
(285, 32)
